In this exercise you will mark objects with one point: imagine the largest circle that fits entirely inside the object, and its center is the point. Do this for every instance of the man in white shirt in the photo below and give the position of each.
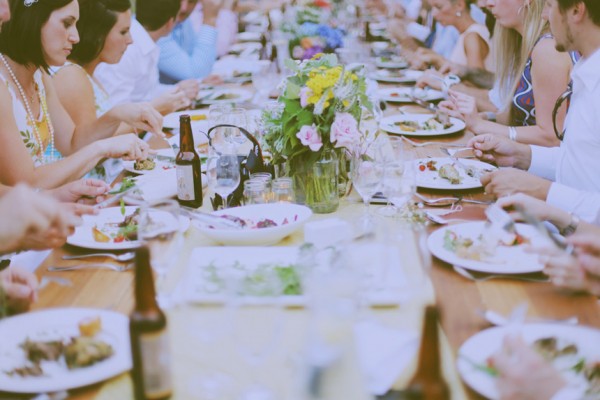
(566, 176)
(136, 78)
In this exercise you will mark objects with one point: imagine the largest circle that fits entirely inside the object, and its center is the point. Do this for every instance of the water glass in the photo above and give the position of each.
(216, 112)
(283, 190)
(223, 173)
(159, 229)
(237, 117)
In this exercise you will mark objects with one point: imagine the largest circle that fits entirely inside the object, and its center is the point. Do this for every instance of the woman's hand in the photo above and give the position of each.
(142, 116)
(467, 107)
(171, 101)
(128, 147)
(20, 287)
(431, 78)
(88, 191)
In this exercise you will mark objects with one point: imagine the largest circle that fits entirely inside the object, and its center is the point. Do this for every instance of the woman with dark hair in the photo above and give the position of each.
(35, 125)
(104, 35)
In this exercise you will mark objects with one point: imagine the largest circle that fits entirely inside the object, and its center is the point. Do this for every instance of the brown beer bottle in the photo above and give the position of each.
(151, 371)
(264, 51)
(428, 379)
(274, 60)
(187, 162)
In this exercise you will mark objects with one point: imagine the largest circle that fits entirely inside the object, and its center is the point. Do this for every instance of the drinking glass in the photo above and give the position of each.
(223, 172)
(216, 112)
(159, 229)
(392, 156)
(237, 117)
(366, 176)
(256, 191)
(283, 190)
(408, 184)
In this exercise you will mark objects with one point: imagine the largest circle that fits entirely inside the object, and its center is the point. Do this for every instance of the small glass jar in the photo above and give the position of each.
(283, 190)
(256, 191)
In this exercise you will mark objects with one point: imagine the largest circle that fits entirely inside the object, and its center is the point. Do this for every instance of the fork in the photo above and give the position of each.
(118, 268)
(475, 277)
(471, 171)
(117, 257)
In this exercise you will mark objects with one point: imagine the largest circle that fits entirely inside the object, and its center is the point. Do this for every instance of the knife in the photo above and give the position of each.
(425, 104)
(115, 198)
(539, 225)
(210, 219)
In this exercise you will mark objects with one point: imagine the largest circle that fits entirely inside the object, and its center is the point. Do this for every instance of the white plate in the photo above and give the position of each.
(479, 347)
(507, 259)
(394, 62)
(381, 283)
(159, 165)
(402, 94)
(278, 212)
(388, 124)
(432, 180)
(404, 76)
(61, 323)
(239, 96)
(171, 121)
(83, 237)
(248, 36)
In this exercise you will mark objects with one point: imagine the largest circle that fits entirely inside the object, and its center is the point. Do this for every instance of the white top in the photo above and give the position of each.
(575, 164)
(135, 78)
(459, 56)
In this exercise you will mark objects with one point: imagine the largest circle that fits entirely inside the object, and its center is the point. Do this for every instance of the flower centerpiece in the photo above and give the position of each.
(311, 38)
(322, 103)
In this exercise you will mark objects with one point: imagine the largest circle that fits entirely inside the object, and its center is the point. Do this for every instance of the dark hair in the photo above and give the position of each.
(592, 7)
(153, 14)
(21, 36)
(96, 19)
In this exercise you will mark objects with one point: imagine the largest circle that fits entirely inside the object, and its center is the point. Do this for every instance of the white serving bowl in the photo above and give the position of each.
(296, 215)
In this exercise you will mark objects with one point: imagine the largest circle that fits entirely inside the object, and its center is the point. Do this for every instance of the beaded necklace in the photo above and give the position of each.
(36, 131)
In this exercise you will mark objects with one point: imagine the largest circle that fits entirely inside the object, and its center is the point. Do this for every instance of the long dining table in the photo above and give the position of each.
(460, 299)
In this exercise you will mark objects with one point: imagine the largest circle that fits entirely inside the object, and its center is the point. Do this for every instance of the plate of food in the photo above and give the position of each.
(198, 118)
(446, 174)
(62, 348)
(405, 94)
(572, 349)
(277, 274)
(163, 160)
(391, 62)
(262, 224)
(480, 247)
(421, 125)
(396, 76)
(226, 95)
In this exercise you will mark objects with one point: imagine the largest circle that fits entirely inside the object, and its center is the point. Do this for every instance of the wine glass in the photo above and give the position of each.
(366, 176)
(224, 173)
(393, 168)
(159, 229)
(408, 185)
(237, 117)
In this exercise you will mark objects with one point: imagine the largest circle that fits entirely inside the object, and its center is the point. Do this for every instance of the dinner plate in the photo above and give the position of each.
(503, 260)
(227, 95)
(210, 268)
(403, 94)
(390, 124)
(429, 179)
(61, 323)
(404, 76)
(245, 48)
(393, 62)
(295, 215)
(83, 236)
(199, 119)
(479, 347)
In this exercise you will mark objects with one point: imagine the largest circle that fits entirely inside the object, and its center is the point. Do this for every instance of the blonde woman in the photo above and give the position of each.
(530, 75)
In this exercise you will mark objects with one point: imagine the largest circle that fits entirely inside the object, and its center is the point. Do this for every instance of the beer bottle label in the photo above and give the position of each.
(185, 182)
(156, 364)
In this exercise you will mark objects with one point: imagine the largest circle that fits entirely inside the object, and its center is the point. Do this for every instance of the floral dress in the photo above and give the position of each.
(24, 124)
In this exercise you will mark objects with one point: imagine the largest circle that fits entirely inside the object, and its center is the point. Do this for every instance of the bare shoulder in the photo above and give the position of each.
(546, 53)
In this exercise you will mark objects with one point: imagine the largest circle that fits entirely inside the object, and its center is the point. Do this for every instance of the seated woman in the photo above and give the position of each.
(472, 49)
(103, 29)
(35, 124)
(530, 74)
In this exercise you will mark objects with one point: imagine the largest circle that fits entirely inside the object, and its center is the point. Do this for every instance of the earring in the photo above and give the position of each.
(458, 14)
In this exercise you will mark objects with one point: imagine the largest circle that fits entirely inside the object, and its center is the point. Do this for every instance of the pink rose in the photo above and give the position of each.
(344, 131)
(305, 93)
(309, 136)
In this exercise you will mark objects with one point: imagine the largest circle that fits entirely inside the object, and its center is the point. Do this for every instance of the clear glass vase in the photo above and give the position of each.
(316, 185)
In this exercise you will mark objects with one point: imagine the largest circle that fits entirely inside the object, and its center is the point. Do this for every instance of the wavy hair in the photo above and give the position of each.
(513, 50)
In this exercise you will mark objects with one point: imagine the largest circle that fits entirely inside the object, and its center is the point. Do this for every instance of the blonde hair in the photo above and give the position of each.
(511, 63)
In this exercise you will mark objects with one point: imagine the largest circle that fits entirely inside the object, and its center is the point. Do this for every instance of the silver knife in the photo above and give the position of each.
(115, 198)
(209, 219)
(425, 104)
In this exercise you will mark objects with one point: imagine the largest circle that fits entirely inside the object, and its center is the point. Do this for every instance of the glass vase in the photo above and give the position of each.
(316, 185)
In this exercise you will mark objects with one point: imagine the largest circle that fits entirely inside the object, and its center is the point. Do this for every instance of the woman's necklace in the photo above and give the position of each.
(36, 131)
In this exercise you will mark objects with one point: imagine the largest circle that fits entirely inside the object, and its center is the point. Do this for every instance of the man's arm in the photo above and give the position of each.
(586, 205)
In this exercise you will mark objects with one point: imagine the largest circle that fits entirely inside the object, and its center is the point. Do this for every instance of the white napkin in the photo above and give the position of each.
(30, 260)
(383, 353)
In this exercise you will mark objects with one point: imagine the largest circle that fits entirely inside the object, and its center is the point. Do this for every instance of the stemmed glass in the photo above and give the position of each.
(393, 169)
(223, 172)
(366, 176)
(237, 117)
(408, 185)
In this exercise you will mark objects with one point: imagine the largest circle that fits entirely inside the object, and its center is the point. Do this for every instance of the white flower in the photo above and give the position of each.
(309, 136)
(344, 131)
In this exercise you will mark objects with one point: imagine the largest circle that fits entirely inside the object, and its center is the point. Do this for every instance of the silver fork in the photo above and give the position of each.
(423, 144)
(118, 268)
(118, 257)
(471, 171)
(471, 276)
